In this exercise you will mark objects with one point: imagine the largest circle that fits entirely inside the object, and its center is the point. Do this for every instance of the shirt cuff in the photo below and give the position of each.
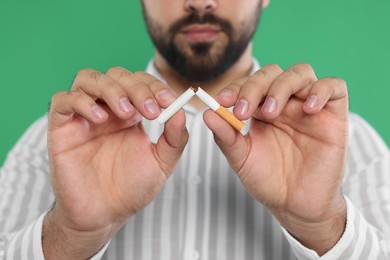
(27, 244)
(101, 252)
(338, 250)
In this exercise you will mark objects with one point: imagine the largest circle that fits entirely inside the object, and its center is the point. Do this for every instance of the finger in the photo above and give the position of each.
(296, 79)
(227, 97)
(100, 86)
(232, 143)
(322, 92)
(65, 104)
(254, 90)
(162, 93)
(139, 93)
(172, 142)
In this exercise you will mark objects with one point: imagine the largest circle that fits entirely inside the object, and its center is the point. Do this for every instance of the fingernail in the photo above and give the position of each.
(98, 112)
(242, 106)
(312, 101)
(226, 93)
(125, 105)
(269, 105)
(151, 106)
(166, 95)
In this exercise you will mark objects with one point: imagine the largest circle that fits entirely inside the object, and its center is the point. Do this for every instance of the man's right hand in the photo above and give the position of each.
(104, 168)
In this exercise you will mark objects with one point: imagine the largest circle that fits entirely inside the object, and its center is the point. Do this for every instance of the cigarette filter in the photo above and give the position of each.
(220, 110)
(176, 106)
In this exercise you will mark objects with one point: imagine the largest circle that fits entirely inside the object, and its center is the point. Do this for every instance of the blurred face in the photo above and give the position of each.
(201, 39)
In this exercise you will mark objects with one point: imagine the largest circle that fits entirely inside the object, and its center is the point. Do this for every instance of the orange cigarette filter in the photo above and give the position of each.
(220, 110)
(230, 118)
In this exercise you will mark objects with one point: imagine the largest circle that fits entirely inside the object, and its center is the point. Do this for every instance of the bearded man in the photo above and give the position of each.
(307, 180)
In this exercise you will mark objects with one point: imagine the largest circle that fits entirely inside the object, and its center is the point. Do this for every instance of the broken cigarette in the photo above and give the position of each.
(220, 110)
(208, 100)
(176, 106)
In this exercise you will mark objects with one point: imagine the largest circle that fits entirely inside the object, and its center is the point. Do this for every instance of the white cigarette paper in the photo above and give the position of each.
(220, 110)
(176, 106)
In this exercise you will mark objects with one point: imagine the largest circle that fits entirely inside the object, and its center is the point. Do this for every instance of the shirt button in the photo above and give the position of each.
(195, 255)
(196, 180)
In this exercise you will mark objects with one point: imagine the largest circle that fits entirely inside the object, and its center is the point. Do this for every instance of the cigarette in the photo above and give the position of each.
(220, 110)
(176, 105)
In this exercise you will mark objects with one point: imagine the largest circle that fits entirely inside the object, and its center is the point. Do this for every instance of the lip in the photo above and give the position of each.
(201, 32)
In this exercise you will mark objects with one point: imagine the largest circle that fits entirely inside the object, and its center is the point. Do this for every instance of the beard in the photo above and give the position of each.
(202, 61)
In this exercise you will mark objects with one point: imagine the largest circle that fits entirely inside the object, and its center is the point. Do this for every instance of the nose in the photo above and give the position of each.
(200, 6)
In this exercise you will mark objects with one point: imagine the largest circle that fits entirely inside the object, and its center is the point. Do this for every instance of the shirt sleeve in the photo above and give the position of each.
(366, 188)
(25, 194)
(27, 244)
(359, 241)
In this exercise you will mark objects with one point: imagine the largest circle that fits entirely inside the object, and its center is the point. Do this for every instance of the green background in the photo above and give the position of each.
(43, 44)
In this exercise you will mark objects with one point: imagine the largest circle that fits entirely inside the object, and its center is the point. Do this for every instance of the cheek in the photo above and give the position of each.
(164, 12)
(237, 11)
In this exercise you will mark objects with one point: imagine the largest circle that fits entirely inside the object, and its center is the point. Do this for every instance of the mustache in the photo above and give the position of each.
(196, 18)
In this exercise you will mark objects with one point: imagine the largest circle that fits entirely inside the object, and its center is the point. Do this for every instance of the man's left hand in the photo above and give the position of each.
(293, 158)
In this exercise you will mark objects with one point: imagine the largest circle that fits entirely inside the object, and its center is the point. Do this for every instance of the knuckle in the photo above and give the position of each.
(84, 72)
(342, 82)
(268, 71)
(262, 74)
(302, 70)
(58, 96)
(338, 82)
(304, 66)
(156, 84)
(140, 73)
(112, 71)
(80, 77)
(307, 70)
(143, 76)
(95, 75)
(295, 70)
(116, 71)
(88, 74)
(125, 74)
(274, 67)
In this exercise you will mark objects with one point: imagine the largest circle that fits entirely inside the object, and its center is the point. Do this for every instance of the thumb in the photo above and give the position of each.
(171, 143)
(231, 142)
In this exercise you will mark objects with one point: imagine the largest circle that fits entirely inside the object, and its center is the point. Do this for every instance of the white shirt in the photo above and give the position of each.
(203, 212)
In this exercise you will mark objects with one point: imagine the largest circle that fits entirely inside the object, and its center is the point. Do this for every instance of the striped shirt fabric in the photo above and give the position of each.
(203, 212)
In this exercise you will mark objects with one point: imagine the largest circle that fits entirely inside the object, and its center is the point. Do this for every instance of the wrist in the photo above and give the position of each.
(59, 241)
(320, 234)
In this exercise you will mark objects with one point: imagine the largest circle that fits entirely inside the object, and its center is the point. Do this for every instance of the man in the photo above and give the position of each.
(127, 188)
